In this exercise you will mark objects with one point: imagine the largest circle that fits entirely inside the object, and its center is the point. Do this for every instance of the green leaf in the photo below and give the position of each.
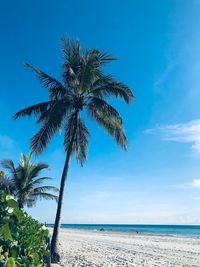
(12, 204)
(46, 233)
(18, 213)
(36, 258)
(5, 231)
(47, 253)
(14, 252)
(10, 262)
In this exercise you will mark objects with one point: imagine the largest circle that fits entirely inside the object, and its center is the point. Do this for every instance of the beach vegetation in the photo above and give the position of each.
(23, 240)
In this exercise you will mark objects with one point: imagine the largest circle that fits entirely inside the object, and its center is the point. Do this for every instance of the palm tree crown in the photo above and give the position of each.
(84, 87)
(24, 183)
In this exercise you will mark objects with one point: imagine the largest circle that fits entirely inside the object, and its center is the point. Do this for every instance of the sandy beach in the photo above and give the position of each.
(95, 248)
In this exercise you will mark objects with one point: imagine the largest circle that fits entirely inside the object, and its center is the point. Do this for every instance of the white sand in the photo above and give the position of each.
(90, 248)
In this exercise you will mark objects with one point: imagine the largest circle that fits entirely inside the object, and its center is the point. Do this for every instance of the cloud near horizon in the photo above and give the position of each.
(182, 132)
(196, 183)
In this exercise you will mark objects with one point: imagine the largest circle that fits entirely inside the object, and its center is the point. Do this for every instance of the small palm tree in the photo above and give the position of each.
(84, 87)
(24, 183)
(7, 185)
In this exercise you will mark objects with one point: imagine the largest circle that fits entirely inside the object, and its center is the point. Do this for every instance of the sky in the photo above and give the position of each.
(157, 44)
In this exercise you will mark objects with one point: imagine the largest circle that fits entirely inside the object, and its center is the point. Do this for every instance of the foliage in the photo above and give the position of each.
(23, 181)
(23, 240)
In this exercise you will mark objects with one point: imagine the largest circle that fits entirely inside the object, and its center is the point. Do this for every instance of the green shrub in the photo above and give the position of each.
(23, 240)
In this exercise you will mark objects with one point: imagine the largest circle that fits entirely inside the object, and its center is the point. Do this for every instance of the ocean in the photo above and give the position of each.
(171, 230)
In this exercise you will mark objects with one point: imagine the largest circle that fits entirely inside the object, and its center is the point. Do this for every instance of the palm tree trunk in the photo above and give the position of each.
(54, 240)
(54, 246)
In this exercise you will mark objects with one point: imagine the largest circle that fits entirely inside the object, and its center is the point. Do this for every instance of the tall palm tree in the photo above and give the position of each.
(84, 87)
(24, 183)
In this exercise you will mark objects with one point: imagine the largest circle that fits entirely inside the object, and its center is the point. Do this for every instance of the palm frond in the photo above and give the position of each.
(46, 196)
(8, 164)
(19, 178)
(40, 141)
(40, 196)
(55, 88)
(72, 60)
(72, 52)
(36, 169)
(107, 86)
(81, 141)
(101, 58)
(51, 125)
(90, 69)
(111, 125)
(7, 185)
(31, 202)
(39, 181)
(58, 107)
(42, 189)
(70, 130)
(76, 135)
(35, 109)
(103, 107)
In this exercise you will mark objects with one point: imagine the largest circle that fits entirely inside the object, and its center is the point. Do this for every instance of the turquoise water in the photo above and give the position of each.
(173, 230)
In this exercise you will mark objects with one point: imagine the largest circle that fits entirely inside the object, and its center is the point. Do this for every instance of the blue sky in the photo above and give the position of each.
(157, 44)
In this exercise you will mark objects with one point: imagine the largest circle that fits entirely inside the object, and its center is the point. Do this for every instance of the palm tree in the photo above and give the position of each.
(23, 182)
(7, 185)
(84, 87)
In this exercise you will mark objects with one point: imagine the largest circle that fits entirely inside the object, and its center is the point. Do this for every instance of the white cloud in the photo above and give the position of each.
(196, 183)
(193, 184)
(181, 132)
(162, 77)
(196, 198)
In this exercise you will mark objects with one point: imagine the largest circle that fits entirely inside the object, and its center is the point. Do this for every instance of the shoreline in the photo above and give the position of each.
(104, 249)
(126, 232)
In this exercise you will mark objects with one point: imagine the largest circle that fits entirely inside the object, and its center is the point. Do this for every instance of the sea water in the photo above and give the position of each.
(171, 230)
